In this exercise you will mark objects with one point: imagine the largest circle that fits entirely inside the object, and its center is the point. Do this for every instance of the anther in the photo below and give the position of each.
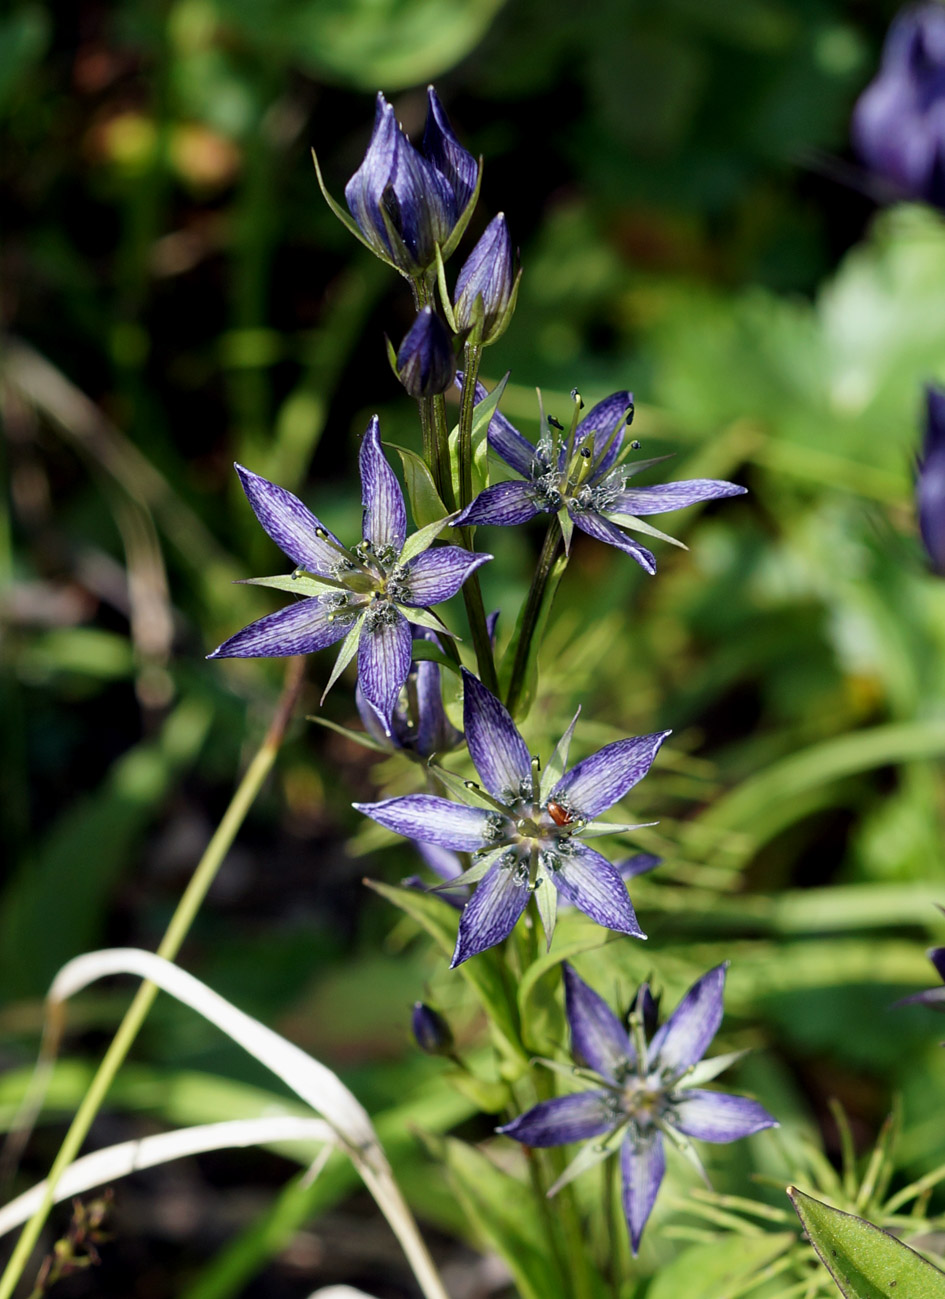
(470, 784)
(586, 452)
(555, 423)
(634, 445)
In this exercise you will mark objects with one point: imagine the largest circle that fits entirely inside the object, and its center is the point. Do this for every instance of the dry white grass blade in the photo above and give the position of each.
(313, 1082)
(113, 1162)
(339, 1292)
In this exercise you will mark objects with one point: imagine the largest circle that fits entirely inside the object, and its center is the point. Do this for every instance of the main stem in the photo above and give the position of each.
(531, 612)
(177, 931)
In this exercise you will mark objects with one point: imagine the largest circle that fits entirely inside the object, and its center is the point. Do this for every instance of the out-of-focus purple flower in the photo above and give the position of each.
(369, 595)
(419, 724)
(431, 1031)
(899, 121)
(425, 362)
(528, 839)
(641, 1092)
(581, 476)
(487, 278)
(934, 997)
(406, 201)
(930, 483)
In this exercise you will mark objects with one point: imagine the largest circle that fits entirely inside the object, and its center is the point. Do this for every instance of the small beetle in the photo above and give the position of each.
(560, 815)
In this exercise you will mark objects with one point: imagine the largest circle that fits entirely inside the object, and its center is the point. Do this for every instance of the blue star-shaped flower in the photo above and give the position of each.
(529, 837)
(369, 595)
(642, 1092)
(581, 476)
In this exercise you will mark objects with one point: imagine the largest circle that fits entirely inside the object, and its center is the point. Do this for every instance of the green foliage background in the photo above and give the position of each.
(176, 296)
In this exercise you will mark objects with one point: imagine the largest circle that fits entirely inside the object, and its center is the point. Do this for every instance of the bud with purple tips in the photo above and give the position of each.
(930, 483)
(404, 201)
(425, 362)
(487, 285)
(899, 121)
(433, 1035)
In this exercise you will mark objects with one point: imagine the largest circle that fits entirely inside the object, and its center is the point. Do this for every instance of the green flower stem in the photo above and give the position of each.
(530, 613)
(472, 360)
(177, 931)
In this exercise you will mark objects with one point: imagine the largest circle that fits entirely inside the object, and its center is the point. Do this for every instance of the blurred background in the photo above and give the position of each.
(176, 296)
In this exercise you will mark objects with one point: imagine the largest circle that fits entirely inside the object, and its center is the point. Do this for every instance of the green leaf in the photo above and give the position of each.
(482, 415)
(865, 1262)
(717, 1270)
(422, 540)
(349, 647)
(425, 502)
(531, 670)
(483, 973)
(304, 584)
(504, 1212)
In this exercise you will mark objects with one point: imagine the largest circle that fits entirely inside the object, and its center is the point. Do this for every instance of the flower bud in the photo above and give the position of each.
(425, 364)
(930, 484)
(405, 201)
(899, 121)
(486, 276)
(431, 1030)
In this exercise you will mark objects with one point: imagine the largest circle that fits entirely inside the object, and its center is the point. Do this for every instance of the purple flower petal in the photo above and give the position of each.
(601, 421)
(684, 1038)
(639, 864)
(937, 956)
(598, 1039)
(290, 524)
(642, 1165)
(441, 147)
(385, 515)
(503, 505)
(384, 662)
(436, 575)
(565, 1119)
(435, 731)
(486, 275)
(395, 181)
(431, 820)
(440, 861)
(594, 886)
(595, 525)
(674, 496)
(719, 1117)
(930, 483)
(601, 780)
(302, 628)
(491, 912)
(504, 438)
(495, 746)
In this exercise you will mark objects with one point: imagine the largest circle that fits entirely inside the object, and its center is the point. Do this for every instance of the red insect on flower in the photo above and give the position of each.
(560, 815)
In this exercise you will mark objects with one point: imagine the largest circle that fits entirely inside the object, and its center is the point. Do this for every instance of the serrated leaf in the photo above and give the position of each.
(864, 1261)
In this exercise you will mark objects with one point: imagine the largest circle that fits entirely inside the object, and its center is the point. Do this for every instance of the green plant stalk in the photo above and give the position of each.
(171, 943)
(472, 591)
(533, 602)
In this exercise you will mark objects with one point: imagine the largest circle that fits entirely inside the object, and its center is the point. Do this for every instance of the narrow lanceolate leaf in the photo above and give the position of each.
(424, 538)
(295, 584)
(349, 647)
(865, 1262)
(558, 762)
(720, 1269)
